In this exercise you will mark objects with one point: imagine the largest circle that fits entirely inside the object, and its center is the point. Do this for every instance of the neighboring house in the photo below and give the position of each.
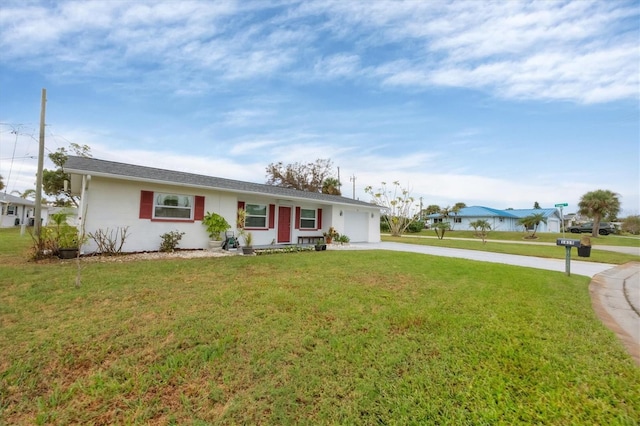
(500, 220)
(16, 211)
(151, 202)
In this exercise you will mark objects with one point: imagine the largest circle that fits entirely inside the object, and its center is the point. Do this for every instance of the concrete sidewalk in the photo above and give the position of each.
(578, 267)
(614, 289)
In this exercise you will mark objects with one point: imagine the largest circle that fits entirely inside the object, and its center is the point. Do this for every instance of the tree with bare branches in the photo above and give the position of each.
(303, 176)
(398, 205)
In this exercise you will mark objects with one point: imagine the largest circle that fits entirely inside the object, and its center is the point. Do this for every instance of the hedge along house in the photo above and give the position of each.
(151, 202)
(500, 220)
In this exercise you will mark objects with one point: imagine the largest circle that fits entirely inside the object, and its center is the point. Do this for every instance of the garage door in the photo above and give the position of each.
(356, 226)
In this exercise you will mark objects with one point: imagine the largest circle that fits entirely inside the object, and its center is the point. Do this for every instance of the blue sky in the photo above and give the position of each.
(499, 104)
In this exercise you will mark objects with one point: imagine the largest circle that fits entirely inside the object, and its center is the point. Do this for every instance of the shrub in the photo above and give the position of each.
(631, 225)
(384, 225)
(215, 225)
(416, 226)
(109, 242)
(343, 239)
(170, 241)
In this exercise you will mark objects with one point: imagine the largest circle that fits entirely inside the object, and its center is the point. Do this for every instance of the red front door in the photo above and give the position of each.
(284, 224)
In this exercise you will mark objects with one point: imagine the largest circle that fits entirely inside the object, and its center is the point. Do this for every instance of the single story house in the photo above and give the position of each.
(151, 202)
(500, 220)
(16, 211)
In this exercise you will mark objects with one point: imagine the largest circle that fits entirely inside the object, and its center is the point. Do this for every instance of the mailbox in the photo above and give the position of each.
(567, 243)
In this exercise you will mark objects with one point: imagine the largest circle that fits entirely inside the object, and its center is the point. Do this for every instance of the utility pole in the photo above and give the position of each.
(353, 179)
(37, 220)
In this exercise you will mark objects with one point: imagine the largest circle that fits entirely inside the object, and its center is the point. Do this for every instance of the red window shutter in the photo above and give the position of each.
(272, 216)
(319, 222)
(297, 217)
(146, 204)
(240, 207)
(198, 212)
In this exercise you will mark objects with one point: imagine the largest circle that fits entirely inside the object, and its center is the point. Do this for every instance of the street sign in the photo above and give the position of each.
(562, 205)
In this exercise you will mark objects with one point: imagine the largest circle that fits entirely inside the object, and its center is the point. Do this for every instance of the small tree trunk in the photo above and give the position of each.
(596, 226)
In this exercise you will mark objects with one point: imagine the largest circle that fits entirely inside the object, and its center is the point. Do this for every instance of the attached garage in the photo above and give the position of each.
(356, 225)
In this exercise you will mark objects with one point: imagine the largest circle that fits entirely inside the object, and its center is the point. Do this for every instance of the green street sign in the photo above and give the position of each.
(562, 205)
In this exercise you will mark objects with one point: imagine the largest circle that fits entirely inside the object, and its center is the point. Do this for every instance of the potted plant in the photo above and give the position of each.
(62, 238)
(320, 246)
(215, 225)
(248, 243)
(585, 247)
(68, 241)
(330, 235)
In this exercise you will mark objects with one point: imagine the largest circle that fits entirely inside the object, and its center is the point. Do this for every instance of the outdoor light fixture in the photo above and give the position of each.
(340, 212)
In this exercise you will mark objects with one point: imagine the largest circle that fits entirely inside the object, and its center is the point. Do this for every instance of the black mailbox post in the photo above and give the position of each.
(567, 243)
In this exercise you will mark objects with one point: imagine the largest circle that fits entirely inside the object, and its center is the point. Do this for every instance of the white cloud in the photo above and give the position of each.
(583, 51)
(339, 65)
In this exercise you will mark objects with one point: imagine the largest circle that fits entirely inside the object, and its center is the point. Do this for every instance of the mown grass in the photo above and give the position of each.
(541, 237)
(524, 249)
(307, 338)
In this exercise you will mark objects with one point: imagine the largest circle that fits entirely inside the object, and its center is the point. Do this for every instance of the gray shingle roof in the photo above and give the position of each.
(11, 199)
(93, 166)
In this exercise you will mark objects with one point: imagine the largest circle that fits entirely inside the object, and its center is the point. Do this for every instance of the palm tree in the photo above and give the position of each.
(481, 227)
(431, 209)
(598, 204)
(460, 205)
(28, 193)
(455, 210)
(532, 221)
(331, 186)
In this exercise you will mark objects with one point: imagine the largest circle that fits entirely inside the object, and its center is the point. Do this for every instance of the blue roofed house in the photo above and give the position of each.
(500, 220)
(117, 195)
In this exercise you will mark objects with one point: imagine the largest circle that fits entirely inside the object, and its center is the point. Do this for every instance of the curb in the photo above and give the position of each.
(611, 304)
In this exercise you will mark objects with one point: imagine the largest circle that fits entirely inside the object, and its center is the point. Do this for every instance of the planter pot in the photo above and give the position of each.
(247, 250)
(215, 245)
(320, 247)
(67, 253)
(584, 251)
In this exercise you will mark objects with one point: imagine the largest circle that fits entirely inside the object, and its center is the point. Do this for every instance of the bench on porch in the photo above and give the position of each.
(310, 239)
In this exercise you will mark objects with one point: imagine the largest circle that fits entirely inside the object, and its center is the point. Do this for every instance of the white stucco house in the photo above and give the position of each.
(151, 201)
(17, 211)
(500, 220)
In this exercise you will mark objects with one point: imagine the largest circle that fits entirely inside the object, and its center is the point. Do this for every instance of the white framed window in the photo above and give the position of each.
(256, 215)
(172, 206)
(12, 210)
(457, 220)
(308, 219)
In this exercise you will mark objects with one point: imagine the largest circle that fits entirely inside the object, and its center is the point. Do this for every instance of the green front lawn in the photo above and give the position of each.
(334, 337)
